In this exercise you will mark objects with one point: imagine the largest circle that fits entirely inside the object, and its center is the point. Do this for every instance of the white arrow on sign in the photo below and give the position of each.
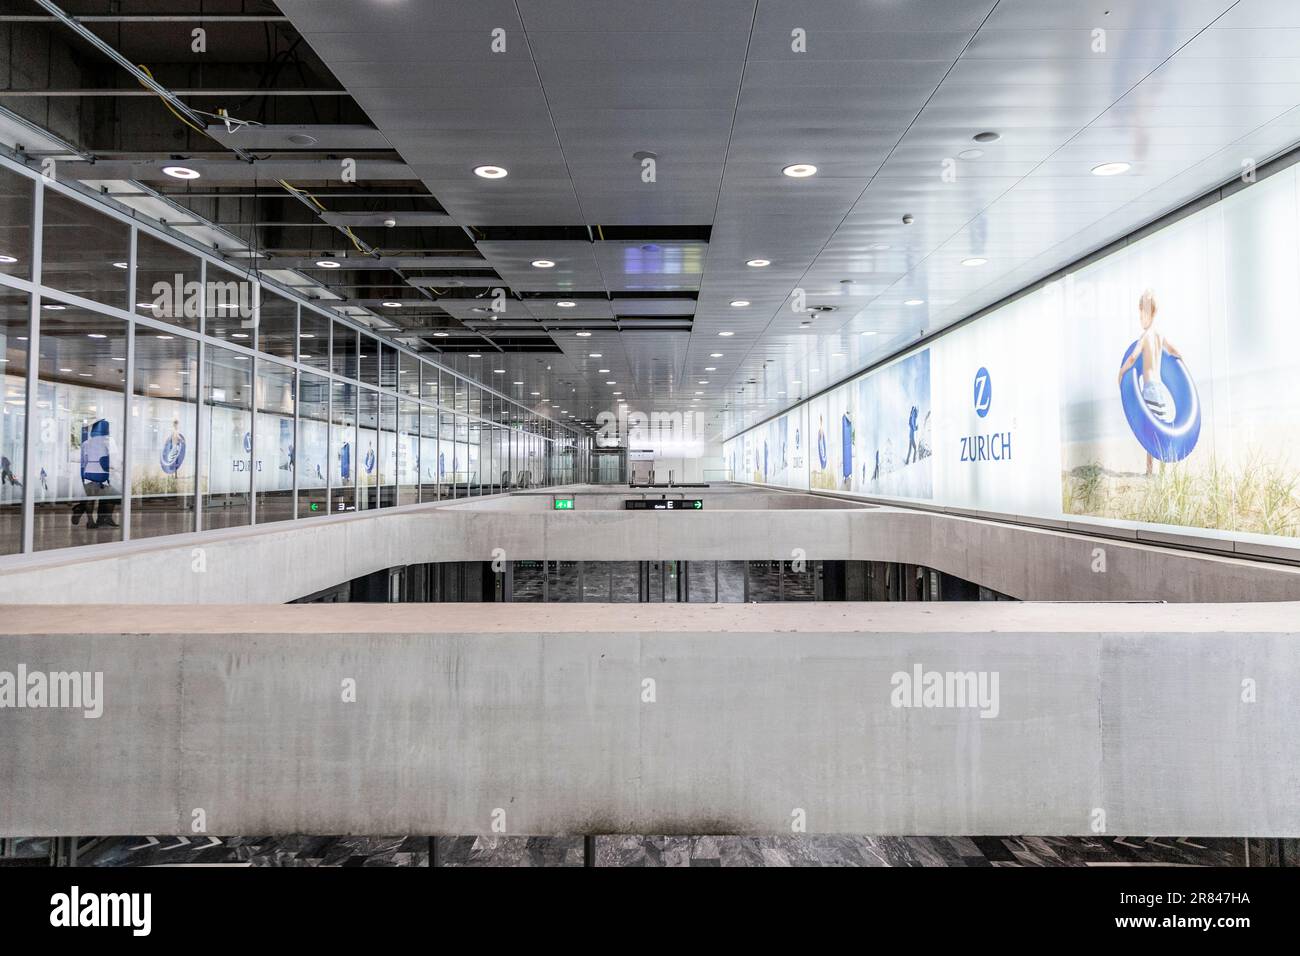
(150, 841)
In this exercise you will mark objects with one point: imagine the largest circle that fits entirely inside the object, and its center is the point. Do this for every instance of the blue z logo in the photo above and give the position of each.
(983, 392)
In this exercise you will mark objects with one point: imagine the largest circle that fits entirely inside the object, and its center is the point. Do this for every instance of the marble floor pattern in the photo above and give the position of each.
(821, 850)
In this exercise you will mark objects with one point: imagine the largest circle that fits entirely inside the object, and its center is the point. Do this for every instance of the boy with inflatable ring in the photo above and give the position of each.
(1150, 348)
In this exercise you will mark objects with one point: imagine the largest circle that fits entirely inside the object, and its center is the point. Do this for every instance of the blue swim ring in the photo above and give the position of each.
(1165, 441)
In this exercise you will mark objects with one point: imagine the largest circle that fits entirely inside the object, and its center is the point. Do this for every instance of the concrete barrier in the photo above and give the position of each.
(1117, 719)
(288, 560)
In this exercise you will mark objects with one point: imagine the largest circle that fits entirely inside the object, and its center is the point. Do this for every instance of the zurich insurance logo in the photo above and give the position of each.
(983, 392)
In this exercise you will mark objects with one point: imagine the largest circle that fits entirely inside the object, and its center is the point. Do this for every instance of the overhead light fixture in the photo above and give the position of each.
(440, 335)
(519, 383)
(54, 307)
(498, 371)
(7, 260)
(603, 371)
(870, 332)
(702, 382)
(491, 172)
(1111, 169)
(475, 355)
(306, 335)
(181, 172)
(800, 170)
(758, 263)
(565, 303)
(163, 338)
(715, 355)
(617, 393)
(583, 335)
(988, 136)
(328, 263)
(392, 305)
(699, 393)
(726, 335)
(595, 355)
(121, 265)
(611, 383)
(239, 335)
(96, 335)
(970, 154)
(739, 303)
(543, 264)
(914, 302)
(975, 261)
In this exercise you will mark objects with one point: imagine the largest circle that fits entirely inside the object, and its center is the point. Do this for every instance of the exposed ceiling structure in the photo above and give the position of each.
(956, 145)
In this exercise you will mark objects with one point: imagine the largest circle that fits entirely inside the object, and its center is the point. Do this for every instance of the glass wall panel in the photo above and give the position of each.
(231, 304)
(80, 412)
(227, 429)
(387, 466)
(369, 360)
(314, 340)
(408, 453)
(164, 424)
(447, 456)
(343, 442)
(277, 325)
(167, 283)
(473, 432)
(428, 382)
(367, 449)
(459, 394)
(16, 192)
(311, 450)
(83, 251)
(428, 454)
(14, 313)
(408, 375)
(460, 462)
(387, 366)
(344, 351)
(275, 443)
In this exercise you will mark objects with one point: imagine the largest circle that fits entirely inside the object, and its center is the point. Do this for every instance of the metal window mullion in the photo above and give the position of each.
(297, 393)
(127, 457)
(33, 371)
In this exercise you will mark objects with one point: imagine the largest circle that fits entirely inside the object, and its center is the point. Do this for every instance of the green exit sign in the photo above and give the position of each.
(563, 504)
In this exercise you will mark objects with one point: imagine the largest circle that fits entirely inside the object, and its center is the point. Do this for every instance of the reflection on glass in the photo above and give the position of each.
(16, 192)
(344, 352)
(369, 360)
(343, 441)
(408, 375)
(428, 454)
(227, 428)
(275, 443)
(387, 367)
(368, 450)
(164, 407)
(83, 251)
(231, 303)
(80, 411)
(311, 450)
(428, 383)
(276, 325)
(446, 455)
(408, 453)
(387, 467)
(314, 340)
(167, 283)
(14, 312)
(472, 458)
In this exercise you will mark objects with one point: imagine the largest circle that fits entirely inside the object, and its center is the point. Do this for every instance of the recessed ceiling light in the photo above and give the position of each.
(583, 335)
(65, 370)
(534, 394)
(440, 335)
(392, 305)
(6, 260)
(328, 264)
(595, 355)
(242, 335)
(181, 172)
(543, 264)
(870, 332)
(758, 263)
(54, 307)
(710, 368)
(796, 381)
(307, 335)
(163, 337)
(611, 383)
(566, 304)
(739, 303)
(491, 172)
(121, 265)
(726, 335)
(800, 170)
(475, 355)
(987, 137)
(702, 381)
(518, 383)
(1111, 169)
(975, 261)
(603, 371)
(715, 355)
(96, 335)
(914, 302)
(617, 393)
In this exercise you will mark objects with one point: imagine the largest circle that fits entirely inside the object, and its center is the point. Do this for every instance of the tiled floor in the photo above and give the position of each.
(662, 851)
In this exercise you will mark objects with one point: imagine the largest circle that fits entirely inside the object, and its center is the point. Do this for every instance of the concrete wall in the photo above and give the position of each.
(1111, 719)
(281, 562)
